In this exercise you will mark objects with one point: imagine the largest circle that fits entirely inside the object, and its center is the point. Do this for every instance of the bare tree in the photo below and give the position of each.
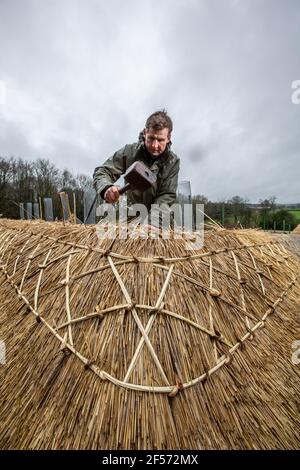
(84, 182)
(46, 177)
(238, 207)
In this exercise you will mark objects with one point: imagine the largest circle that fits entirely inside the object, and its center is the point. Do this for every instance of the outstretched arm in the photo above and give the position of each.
(107, 174)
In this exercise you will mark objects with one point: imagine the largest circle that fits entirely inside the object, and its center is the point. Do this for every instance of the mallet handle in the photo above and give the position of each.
(125, 188)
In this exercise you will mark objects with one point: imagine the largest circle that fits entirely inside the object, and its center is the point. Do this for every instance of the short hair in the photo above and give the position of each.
(159, 120)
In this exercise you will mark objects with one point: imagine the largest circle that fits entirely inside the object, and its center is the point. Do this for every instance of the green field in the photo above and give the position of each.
(296, 214)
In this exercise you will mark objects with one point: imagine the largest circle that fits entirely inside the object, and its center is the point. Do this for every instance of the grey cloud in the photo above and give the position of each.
(13, 141)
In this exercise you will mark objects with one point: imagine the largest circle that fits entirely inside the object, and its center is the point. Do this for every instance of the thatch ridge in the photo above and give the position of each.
(162, 333)
(296, 230)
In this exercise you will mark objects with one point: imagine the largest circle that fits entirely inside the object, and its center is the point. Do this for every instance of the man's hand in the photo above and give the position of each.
(112, 194)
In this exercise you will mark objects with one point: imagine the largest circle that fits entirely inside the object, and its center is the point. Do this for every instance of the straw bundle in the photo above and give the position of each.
(140, 344)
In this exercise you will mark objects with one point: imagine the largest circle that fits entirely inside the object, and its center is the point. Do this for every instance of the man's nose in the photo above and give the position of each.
(155, 143)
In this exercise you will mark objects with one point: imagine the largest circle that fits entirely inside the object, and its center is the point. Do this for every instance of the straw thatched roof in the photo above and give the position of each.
(140, 344)
(297, 230)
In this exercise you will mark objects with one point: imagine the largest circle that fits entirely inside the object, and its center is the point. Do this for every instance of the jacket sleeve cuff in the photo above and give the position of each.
(102, 191)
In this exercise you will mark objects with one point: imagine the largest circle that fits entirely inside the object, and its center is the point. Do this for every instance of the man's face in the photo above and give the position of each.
(156, 141)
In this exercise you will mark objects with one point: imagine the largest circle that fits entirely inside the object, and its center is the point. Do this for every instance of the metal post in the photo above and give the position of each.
(29, 210)
(184, 198)
(89, 206)
(40, 206)
(21, 205)
(36, 211)
(74, 207)
(48, 206)
(223, 215)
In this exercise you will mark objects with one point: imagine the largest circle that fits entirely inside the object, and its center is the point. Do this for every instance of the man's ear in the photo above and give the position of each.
(144, 132)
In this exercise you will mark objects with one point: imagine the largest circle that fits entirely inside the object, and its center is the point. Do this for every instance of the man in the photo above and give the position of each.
(153, 149)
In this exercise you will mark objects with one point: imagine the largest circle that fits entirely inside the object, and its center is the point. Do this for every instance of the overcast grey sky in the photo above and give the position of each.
(81, 77)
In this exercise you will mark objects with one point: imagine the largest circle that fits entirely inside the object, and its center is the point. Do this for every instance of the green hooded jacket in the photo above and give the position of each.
(166, 167)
